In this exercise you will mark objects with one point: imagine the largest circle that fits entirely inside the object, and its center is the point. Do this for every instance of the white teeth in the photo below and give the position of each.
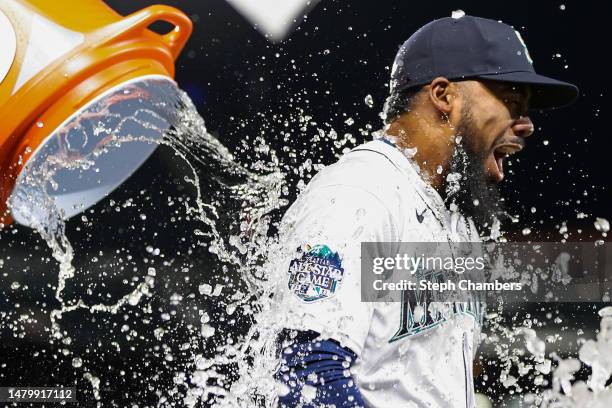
(500, 164)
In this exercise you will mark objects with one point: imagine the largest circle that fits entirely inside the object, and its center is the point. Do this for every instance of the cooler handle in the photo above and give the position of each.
(175, 40)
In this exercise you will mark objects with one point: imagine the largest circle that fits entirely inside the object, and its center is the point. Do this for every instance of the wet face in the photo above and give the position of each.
(493, 125)
(498, 122)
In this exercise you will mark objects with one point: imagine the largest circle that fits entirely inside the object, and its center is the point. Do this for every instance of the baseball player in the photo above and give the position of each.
(460, 91)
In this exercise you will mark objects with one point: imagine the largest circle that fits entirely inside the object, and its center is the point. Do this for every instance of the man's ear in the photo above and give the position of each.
(442, 93)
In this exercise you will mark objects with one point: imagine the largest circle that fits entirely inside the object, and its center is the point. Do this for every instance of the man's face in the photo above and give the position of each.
(492, 126)
(498, 122)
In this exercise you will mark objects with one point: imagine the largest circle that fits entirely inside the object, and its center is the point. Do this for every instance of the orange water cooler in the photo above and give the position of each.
(70, 73)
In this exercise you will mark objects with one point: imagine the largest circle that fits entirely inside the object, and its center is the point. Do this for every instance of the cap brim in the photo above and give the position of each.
(546, 92)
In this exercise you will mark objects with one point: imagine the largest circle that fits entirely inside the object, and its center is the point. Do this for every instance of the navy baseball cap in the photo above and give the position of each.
(467, 47)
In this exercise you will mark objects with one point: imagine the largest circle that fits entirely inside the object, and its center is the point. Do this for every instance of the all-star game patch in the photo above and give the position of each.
(316, 274)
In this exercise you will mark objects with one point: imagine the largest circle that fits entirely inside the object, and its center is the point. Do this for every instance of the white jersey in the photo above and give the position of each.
(374, 193)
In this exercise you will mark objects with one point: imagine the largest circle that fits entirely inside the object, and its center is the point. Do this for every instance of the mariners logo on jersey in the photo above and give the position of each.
(316, 274)
(425, 309)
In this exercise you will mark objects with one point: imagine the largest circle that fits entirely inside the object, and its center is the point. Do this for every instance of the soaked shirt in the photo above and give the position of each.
(375, 193)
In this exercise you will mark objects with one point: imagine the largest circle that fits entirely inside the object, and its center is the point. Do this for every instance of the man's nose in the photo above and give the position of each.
(523, 127)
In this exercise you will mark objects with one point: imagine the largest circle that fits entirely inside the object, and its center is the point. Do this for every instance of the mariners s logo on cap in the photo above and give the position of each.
(316, 274)
(520, 37)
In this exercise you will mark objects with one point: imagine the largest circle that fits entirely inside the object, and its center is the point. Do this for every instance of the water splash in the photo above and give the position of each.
(230, 367)
(595, 354)
(174, 124)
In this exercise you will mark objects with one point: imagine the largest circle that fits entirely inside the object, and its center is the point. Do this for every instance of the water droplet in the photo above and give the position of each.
(282, 389)
(207, 330)
(360, 213)
(410, 152)
(456, 14)
(357, 233)
(309, 393)
(419, 312)
(601, 224)
(205, 289)
(158, 333)
(605, 312)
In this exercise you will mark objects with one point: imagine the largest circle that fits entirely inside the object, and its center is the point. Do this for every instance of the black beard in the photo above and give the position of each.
(475, 196)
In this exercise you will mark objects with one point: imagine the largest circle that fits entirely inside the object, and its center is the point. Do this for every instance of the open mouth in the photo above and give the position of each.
(500, 152)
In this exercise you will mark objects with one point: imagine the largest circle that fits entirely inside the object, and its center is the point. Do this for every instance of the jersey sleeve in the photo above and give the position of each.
(321, 270)
(316, 373)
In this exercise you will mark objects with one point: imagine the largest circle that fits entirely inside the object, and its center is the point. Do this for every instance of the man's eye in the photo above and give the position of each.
(515, 106)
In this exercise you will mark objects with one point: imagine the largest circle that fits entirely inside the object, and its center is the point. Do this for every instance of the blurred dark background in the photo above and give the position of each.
(246, 87)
